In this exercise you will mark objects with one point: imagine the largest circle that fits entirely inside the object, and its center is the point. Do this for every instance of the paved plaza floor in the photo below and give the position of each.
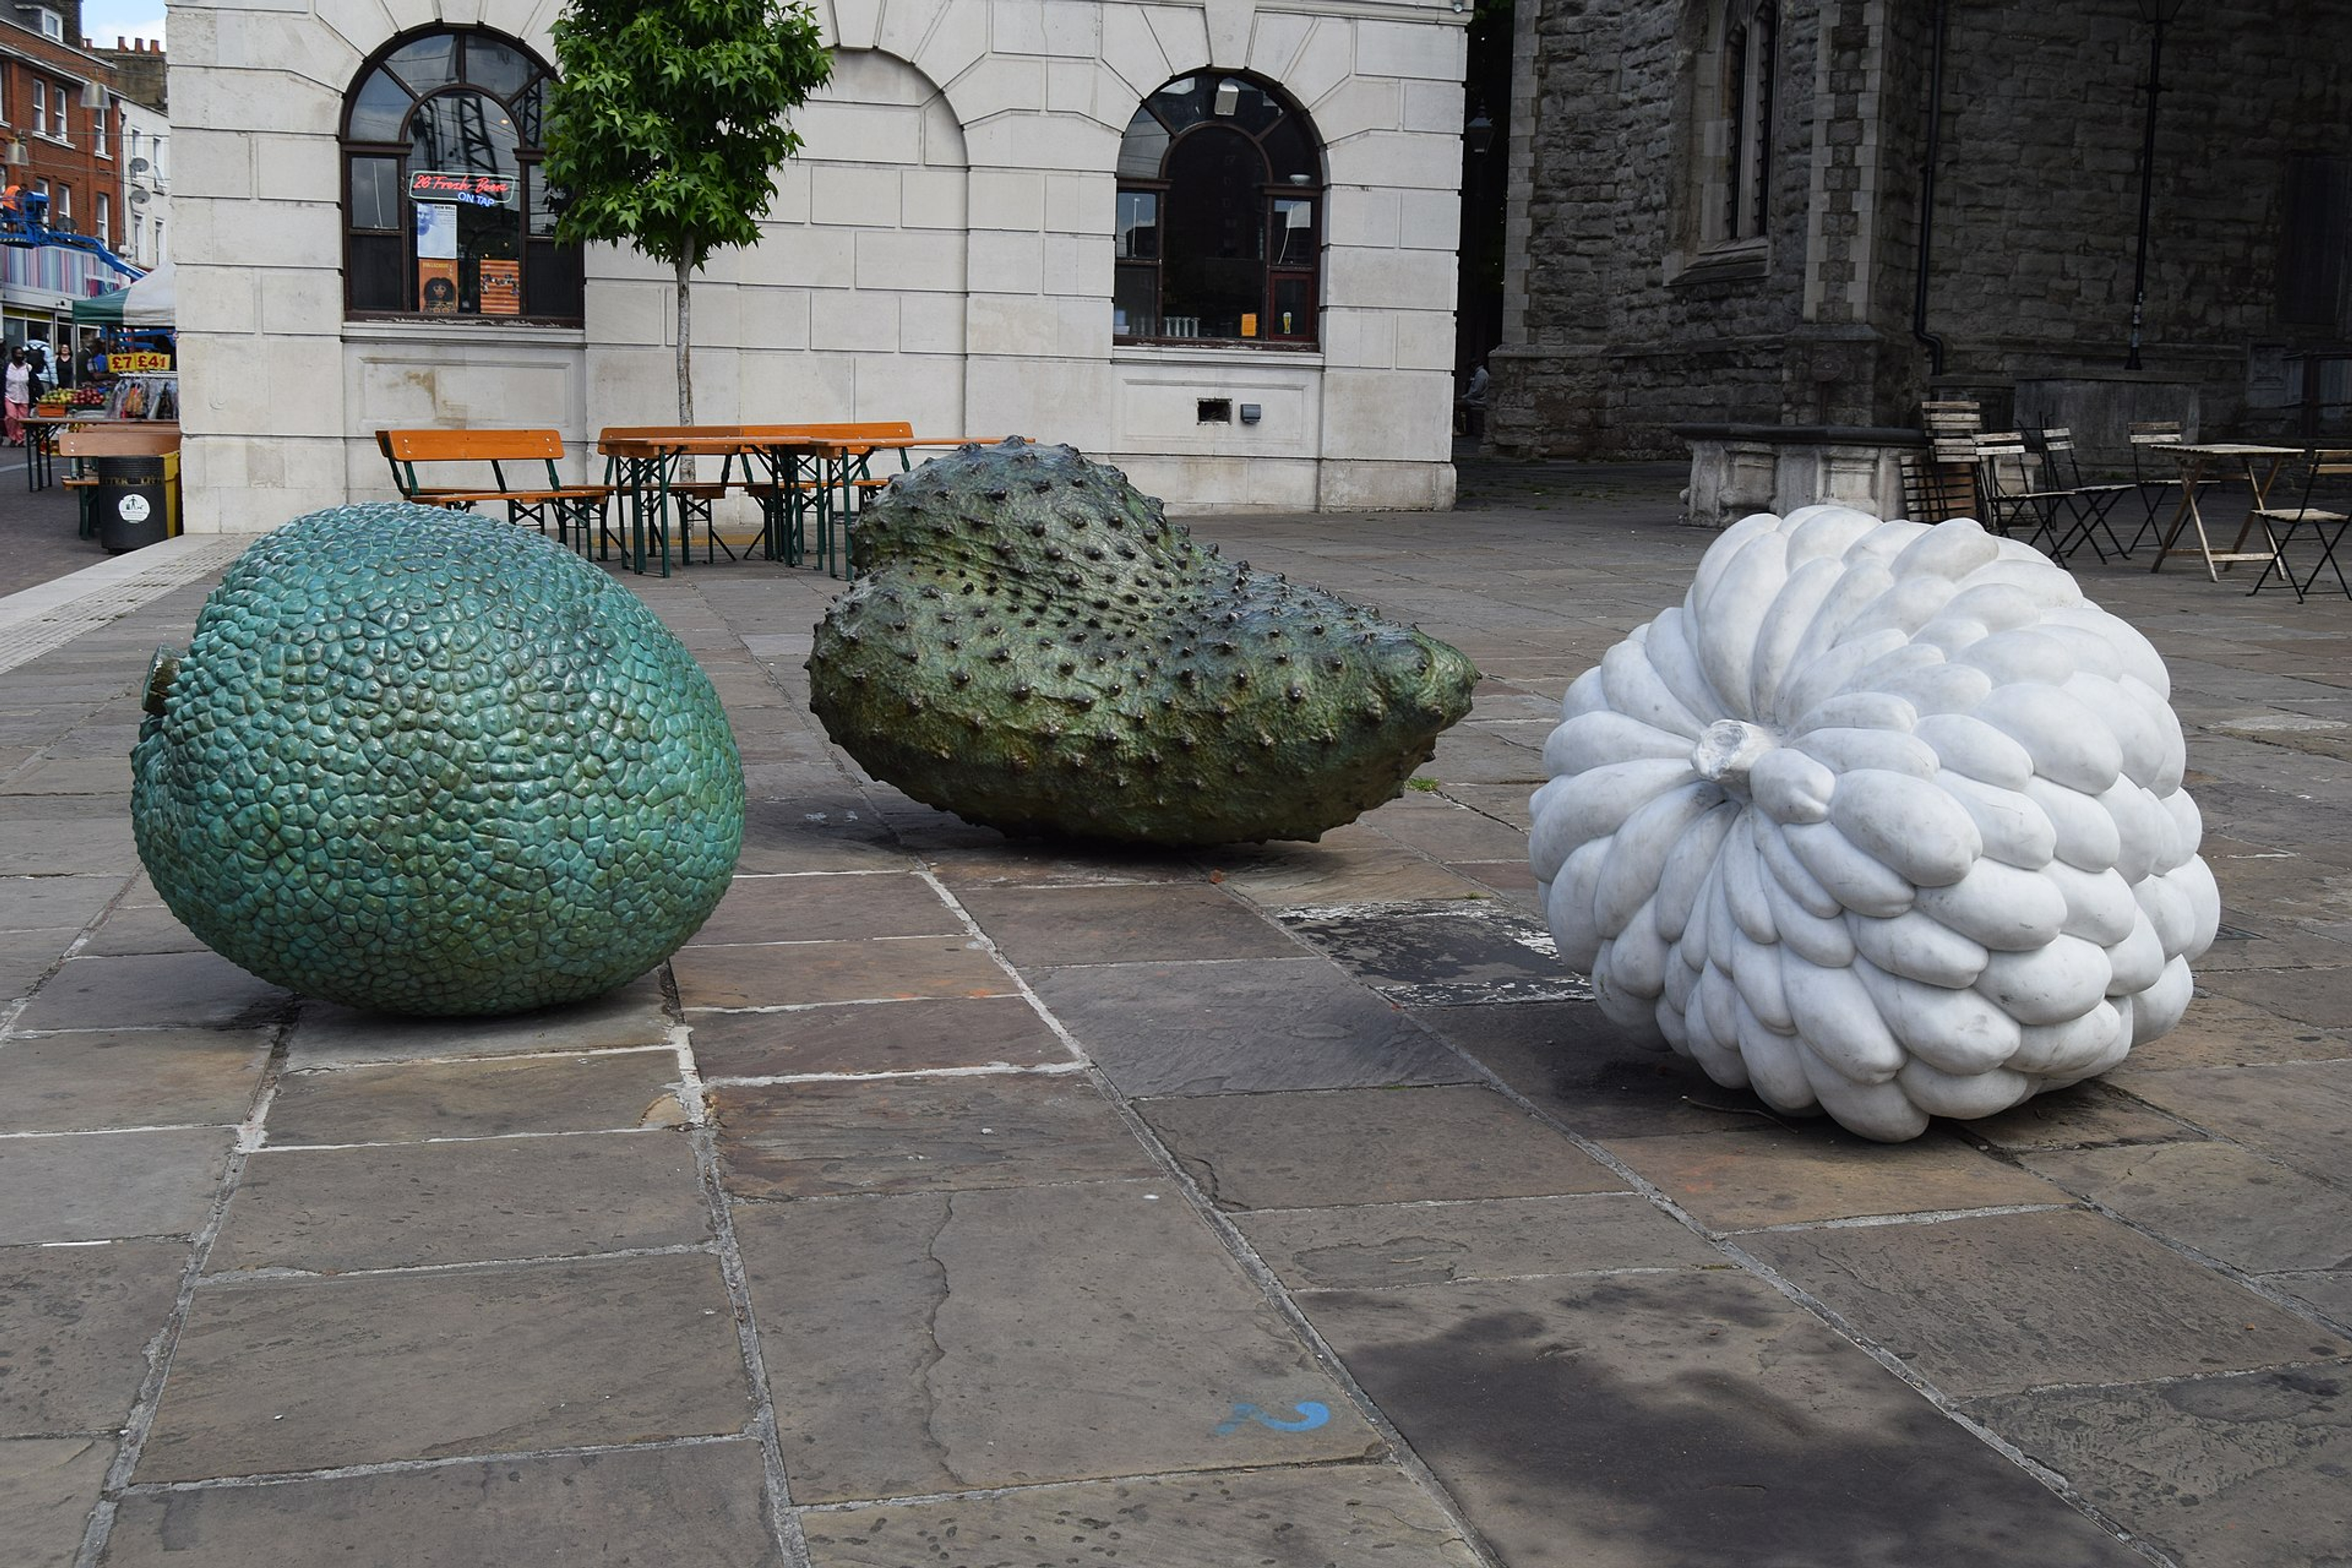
(950, 1201)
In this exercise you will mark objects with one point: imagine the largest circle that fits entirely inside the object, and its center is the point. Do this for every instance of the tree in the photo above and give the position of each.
(668, 123)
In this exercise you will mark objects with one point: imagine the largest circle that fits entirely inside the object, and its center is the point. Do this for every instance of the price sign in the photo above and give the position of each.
(138, 363)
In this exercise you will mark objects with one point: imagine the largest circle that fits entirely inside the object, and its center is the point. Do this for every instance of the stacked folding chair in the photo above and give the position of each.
(1942, 483)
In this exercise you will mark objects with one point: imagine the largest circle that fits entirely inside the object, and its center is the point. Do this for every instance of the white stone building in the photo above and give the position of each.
(142, 230)
(1243, 295)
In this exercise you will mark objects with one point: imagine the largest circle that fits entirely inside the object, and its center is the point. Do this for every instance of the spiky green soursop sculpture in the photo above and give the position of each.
(428, 762)
(1032, 645)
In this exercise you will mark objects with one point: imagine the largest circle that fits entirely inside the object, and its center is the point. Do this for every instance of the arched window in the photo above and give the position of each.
(444, 213)
(1750, 43)
(1220, 207)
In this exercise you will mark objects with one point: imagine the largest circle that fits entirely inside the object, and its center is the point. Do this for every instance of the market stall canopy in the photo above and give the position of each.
(149, 302)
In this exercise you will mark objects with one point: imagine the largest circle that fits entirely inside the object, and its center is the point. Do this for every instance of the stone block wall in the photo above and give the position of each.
(1622, 329)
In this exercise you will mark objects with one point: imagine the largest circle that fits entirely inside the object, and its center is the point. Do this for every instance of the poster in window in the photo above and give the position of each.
(437, 232)
(436, 285)
(501, 287)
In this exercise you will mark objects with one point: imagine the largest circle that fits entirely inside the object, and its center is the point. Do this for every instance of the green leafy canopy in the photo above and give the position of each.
(667, 121)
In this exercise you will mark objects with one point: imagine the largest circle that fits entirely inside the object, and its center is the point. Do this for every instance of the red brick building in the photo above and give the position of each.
(60, 134)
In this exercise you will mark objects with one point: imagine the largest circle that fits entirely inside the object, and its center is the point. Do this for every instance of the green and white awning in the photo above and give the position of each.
(149, 302)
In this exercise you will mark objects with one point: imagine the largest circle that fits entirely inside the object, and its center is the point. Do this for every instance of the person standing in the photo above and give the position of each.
(16, 393)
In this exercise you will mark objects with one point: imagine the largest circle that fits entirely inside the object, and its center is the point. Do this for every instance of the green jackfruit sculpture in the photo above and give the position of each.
(420, 761)
(1033, 645)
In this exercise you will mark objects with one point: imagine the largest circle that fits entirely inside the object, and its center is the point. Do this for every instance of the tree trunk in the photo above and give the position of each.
(685, 345)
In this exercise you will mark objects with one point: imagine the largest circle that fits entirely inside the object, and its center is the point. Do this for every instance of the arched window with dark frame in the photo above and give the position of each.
(1220, 216)
(444, 209)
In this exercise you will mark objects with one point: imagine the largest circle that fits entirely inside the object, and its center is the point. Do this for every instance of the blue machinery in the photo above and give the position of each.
(24, 223)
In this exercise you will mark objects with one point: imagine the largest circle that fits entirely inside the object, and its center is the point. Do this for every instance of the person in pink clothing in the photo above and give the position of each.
(17, 392)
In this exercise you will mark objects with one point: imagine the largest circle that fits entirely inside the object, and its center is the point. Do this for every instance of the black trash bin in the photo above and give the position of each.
(137, 501)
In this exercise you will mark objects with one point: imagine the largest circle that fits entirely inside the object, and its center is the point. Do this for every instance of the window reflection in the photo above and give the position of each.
(1217, 231)
(457, 223)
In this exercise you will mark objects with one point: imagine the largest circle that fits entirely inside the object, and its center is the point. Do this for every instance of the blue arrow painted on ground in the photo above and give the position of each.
(1311, 1414)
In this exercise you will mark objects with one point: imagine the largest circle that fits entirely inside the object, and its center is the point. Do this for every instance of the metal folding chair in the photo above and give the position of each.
(2013, 495)
(2088, 503)
(2154, 472)
(2325, 507)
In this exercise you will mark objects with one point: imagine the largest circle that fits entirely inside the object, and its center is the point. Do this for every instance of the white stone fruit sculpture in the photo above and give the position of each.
(1883, 820)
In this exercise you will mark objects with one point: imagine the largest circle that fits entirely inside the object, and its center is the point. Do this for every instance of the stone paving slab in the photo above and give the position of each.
(91, 1082)
(113, 1185)
(828, 906)
(156, 991)
(833, 831)
(997, 862)
(2314, 998)
(882, 1036)
(2224, 1201)
(1443, 954)
(47, 903)
(45, 1486)
(1339, 1514)
(76, 837)
(1446, 831)
(408, 1205)
(1761, 1176)
(698, 1505)
(2224, 1472)
(631, 1016)
(2002, 1302)
(1352, 865)
(147, 927)
(1148, 923)
(1700, 1419)
(79, 1320)
(298, 1375)
(1593, 1074)
(803, 974)
(2298, 1112)
(497, 1097)
(1371, 1246)
(1241, 1025)
(897, 1135)
(1369, 1146)
(2086, 1115)
(925, 1343)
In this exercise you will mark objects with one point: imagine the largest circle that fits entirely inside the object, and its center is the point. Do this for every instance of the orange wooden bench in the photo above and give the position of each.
(580, 507)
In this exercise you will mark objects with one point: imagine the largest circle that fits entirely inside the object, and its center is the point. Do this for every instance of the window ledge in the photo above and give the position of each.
(442, 329)
(1216, 352)
(1745, 261)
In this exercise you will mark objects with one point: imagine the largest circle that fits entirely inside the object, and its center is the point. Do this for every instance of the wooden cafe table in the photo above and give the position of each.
(2207, 462)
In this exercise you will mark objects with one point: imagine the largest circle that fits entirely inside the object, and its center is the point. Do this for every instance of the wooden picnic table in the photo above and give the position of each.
(649, 459)
(808, 478)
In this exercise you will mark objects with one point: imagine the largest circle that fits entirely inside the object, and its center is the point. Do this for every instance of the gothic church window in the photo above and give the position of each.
(1737, 168)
